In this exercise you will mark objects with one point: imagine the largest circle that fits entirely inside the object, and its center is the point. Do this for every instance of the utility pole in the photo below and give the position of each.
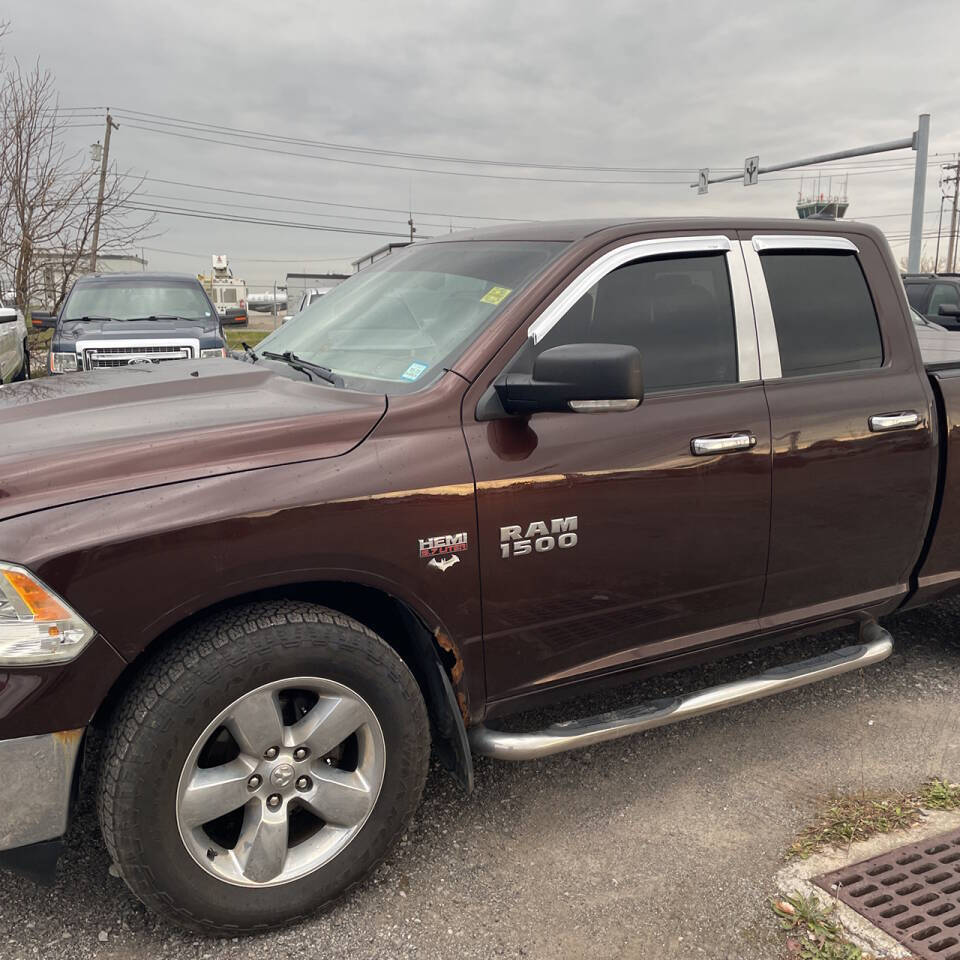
(104, 162)
(952, 242)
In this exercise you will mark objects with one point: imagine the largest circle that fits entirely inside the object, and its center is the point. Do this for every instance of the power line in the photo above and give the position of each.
(229, 218)
(203, 126)
(323, 203)
(404, 169)
(294, 259)
(245, 206)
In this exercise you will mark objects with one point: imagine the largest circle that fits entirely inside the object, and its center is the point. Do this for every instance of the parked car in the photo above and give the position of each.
(130, 319)
(14, 353)
(310, 297)
(936, 296)
(480, 475)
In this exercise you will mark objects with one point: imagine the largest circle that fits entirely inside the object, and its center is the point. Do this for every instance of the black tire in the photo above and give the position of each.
(182, 690)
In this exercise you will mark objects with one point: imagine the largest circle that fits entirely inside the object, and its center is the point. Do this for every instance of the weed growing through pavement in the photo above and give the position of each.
(814, 933)
(841, 820)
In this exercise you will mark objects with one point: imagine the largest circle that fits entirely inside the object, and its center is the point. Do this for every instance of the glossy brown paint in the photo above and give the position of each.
(356, 518)
(187, 495)
(63, 697)
(850, 506)
(68, 439)
(638, 584)
(939, 574)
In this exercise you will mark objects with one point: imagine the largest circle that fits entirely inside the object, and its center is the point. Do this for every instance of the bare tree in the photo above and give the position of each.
(48, 196)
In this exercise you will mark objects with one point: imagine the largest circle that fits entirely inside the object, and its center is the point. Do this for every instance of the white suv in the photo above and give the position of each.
(14, 358)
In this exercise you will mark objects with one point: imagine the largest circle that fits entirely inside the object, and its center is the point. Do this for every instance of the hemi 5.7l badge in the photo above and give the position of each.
(448, 543)
(442, 551)
(539, 537)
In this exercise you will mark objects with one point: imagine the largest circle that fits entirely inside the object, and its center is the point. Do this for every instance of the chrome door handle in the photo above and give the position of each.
(704, 446)
(893, 421)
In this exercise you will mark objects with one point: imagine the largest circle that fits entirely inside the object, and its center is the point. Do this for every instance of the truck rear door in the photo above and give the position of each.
(606, 539)
(854, 452)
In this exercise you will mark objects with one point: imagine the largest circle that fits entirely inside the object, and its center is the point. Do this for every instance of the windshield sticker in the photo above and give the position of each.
(413, 372)
(496, 295)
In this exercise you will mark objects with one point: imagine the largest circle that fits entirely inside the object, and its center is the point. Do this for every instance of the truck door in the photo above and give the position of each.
(854, 456)
(605, 539)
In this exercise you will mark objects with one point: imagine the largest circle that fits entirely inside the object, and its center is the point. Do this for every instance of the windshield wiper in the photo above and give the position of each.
(80, 319)
(304, 366)
(163, 316)
(249, 351)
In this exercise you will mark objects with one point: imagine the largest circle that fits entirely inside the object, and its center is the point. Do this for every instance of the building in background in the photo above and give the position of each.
(820, 203)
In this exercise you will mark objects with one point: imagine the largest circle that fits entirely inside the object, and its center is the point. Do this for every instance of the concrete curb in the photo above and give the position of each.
(795, 878)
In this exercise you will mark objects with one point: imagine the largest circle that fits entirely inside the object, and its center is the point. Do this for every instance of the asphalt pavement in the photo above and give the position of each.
(660, 845)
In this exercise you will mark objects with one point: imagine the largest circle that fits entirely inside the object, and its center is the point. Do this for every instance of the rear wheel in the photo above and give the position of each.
(261, 766)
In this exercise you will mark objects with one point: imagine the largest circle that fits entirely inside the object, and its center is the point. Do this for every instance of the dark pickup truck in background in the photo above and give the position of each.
(124, 319)
(482, 474)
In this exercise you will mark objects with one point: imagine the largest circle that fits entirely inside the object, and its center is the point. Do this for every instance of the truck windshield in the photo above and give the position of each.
(395, 325)
(133, 300)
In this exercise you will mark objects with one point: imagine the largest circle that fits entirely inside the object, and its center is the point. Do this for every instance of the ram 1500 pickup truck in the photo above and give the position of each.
(482, 474)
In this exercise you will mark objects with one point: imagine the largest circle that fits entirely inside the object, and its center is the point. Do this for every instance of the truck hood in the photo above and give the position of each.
(70, 331)
(66, 439)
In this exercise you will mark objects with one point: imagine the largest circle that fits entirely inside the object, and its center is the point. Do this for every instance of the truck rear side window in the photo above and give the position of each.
(822, 311)
(677, 311)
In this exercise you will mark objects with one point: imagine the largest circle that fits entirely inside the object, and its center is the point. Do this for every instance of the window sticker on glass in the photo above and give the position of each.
(496, 295)
(413, 372)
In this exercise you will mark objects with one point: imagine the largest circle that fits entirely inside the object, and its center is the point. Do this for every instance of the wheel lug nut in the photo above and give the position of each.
(254, 782)
(303, 783)
(301, 753)
(271, 753)
(274, 801)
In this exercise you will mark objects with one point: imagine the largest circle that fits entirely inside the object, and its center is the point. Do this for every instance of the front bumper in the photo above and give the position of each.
(36, 785)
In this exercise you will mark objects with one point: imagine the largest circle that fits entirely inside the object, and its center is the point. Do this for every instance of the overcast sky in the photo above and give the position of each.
(622, 83)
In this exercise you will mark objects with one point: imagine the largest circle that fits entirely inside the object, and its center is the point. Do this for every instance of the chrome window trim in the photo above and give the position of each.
(802, 242)
(767, 342)
(748, 352)
(748, 362)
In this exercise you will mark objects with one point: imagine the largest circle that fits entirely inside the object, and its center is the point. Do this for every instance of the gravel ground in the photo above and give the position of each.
(661, 845)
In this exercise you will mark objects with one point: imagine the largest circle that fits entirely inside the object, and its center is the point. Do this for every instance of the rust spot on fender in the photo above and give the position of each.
(456, 671)
(68, 738)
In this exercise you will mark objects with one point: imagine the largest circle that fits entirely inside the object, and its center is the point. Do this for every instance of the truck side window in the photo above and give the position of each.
(822, 311)
(917, 295)
(943, 293)
(678, 312)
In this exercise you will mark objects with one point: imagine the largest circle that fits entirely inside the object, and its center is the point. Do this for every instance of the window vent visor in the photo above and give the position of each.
(802, 241)
(36, 626)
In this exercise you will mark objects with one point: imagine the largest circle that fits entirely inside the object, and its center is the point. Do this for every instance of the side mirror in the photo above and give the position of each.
(949, 310)
(43, 321)
(578, 377)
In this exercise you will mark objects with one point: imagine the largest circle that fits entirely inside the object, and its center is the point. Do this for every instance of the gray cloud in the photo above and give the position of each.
(613, 83)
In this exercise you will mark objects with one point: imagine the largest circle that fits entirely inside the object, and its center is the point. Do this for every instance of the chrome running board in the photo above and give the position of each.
(875, 645)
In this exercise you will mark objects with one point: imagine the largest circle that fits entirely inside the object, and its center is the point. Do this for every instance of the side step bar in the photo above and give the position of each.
(875, 645)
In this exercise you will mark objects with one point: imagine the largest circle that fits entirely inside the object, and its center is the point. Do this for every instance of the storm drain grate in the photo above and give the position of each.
(912, 893)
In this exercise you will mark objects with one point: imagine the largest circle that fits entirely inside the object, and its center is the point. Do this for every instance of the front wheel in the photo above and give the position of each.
(261, 766)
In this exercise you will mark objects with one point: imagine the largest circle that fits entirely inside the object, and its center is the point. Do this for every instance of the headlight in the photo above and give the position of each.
(63, 363)
(36, 626)
(221, 352)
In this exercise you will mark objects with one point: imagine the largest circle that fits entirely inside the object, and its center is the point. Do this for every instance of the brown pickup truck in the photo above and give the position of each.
(482, 474)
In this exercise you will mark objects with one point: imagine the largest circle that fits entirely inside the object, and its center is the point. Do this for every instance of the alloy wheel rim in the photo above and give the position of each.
(280, 781)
